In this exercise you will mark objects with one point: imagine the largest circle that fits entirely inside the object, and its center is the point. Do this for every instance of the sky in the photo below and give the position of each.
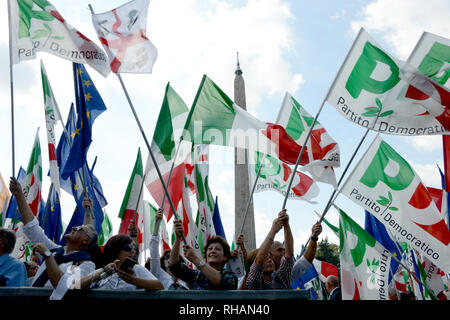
(294, 46)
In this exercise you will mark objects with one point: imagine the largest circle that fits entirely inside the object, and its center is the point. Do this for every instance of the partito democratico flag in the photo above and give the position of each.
(372, 83)
(122, 33)
(36, 25)
(384, 184)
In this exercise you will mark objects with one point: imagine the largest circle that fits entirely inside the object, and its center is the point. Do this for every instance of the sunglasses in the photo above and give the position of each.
(80, 228)
(129, 247)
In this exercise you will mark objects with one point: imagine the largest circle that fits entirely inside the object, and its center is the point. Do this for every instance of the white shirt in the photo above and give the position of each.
(71, 273)
(155, 265)
(114, 282)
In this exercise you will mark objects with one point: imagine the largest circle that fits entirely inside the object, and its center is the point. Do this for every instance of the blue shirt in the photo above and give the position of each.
(12, 272)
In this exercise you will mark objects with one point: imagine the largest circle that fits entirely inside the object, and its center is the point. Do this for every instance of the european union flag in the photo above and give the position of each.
(89, 106)
(50, 219)
(217, 221)
(377, 230)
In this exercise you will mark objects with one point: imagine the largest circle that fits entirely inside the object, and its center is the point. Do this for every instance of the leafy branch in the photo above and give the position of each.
(373, 111)
(386, 202)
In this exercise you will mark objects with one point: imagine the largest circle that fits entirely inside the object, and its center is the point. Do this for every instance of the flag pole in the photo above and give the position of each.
(11, 90)
(147, 143)
(315, 120)
(335, 193)
(250, 199)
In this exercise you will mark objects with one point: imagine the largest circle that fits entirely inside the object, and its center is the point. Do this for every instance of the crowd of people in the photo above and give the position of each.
(81, 265)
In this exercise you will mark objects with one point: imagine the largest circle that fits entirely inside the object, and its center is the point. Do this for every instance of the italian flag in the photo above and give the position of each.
(205, 200)
(33, 178)
(365, 263)
(321, 153)
(166, 141)
(385, 184)
(132, 204)
(52, 115)
(325, 269)
(149, 227)
(215, 119)
(105, 232)
(36, 25)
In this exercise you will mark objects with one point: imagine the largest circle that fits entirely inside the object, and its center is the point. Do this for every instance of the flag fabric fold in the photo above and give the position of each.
(122, 33)
(36, 25)
(364, 263)
(371, 82)
(384, 184)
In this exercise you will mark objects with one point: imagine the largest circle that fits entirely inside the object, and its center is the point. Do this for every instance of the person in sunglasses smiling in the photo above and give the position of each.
(118, 249)
(62, 266)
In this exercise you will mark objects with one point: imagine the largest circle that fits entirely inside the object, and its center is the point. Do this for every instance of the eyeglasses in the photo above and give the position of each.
(81, 228)
(129, 247)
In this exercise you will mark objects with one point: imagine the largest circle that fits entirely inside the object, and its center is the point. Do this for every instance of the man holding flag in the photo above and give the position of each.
(61, 266)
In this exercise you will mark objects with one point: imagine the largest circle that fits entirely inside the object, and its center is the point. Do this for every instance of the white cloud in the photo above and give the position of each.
(425, 143)
(401, 23)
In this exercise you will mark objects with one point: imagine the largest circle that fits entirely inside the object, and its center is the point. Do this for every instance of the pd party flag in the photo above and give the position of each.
(321, 153)
(364, 263)
(384, 184)
(432, 56)
(36, 25)
(122, 33)
(372, 82)
(275, 175)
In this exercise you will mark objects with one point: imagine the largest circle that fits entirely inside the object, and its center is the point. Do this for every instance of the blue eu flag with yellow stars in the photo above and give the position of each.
(89, 105)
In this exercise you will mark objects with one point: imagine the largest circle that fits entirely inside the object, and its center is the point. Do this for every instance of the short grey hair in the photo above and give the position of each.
(92, 234)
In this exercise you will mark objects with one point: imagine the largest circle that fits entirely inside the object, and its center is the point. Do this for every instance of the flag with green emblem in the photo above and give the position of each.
(364, 263)
(36, 25)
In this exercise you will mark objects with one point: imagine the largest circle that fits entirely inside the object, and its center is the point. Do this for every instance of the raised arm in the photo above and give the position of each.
(53, 270)
(24, 210)
(264, 249)
(288, 238)
(310, 252)
(88, 214)
(175, 252)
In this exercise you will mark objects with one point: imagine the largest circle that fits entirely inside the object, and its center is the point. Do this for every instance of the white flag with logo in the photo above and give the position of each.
(122, 33)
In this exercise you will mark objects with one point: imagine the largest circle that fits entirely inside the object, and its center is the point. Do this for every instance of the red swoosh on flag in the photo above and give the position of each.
(438, 230)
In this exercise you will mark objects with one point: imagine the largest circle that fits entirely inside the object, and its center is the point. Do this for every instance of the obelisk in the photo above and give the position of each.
(241, 176)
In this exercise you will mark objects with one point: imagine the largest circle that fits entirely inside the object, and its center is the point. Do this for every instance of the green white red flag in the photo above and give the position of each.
(166, 141)
(215, 119)
(132, 204)
(33, 178)
(275, 175)
(106, 231)
(384, 184)
(372, 82)
(205, 200)
(52, 116)
(122, 33)
(36, 25)
(321, 153)
(365, 263)
(149, 227)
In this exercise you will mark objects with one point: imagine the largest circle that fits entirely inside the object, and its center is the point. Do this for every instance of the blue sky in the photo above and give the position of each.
(295, 46)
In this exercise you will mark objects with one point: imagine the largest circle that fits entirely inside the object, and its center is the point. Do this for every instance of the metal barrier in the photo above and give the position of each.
(30, 293)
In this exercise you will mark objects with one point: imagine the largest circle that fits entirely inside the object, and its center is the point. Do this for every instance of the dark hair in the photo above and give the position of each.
(162, 259)
(113, 246)
(222, 242)
(10, 237)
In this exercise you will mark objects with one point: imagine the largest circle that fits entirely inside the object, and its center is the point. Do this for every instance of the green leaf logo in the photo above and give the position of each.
(373, 111)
